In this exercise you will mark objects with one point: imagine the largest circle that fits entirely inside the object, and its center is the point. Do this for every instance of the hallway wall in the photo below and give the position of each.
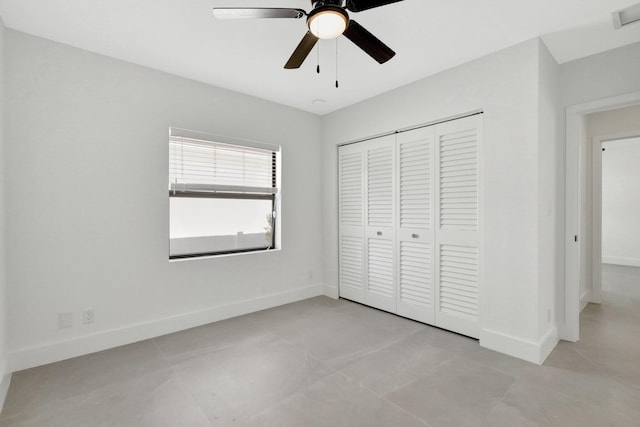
(621, 201)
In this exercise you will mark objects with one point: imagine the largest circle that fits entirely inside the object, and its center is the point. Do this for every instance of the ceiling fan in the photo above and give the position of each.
(327, 20)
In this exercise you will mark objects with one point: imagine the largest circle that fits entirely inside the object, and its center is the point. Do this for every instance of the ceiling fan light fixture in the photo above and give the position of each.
(327, 22)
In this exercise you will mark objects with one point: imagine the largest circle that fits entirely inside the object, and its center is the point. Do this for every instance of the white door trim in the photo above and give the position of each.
(569, 324)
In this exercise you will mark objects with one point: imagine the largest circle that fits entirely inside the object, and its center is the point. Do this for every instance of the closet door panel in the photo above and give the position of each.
(380, 211)
(352, 268)
(415, 230)
(409, 224)
(457, 224)
(415, 296)
(351, 164)
(380, 270)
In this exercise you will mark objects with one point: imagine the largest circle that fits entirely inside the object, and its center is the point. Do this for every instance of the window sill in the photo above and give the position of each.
(198, 257)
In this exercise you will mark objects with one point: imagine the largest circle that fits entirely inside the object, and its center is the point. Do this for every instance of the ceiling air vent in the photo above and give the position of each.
(626, 16)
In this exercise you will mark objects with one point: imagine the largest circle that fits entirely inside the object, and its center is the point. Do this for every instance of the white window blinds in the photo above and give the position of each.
(202, 165)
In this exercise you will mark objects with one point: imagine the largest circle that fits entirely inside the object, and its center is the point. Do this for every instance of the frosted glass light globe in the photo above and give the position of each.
(327, 24)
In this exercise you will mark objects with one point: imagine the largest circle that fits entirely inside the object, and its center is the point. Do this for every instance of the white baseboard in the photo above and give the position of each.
(631, 262)
(585, 299)
(548, 343)
(30, 357)
(331, 291)
(5, 381)
(534, 352)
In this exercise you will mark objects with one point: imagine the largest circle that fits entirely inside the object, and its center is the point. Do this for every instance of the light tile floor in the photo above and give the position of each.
(322, 362)
(622, 280)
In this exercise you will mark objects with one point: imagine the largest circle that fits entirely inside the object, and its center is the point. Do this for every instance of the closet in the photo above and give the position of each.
(409, 224)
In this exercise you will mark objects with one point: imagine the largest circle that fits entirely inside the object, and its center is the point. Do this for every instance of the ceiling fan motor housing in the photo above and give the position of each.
(318, 3)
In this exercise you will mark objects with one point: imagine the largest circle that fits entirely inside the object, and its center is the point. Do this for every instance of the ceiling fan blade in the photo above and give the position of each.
(302, 51)
(360, 5)
(256, 12)
(368, 42)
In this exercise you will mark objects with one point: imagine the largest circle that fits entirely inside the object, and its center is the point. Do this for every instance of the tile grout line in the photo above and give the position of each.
(385, 399)
(389, 344)
(197, 353)
(177, 377)
(275, 334)
(611, 375)
(375, 349)
(493, 368)
(307, 385)
(444, 362)
(493, 407)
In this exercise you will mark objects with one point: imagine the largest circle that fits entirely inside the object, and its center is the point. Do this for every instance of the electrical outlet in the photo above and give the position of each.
(65, 320)
(88, 316)
(310, 275)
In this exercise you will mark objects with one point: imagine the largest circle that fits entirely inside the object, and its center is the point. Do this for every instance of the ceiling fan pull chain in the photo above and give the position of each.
(318, 66)
(337, 63)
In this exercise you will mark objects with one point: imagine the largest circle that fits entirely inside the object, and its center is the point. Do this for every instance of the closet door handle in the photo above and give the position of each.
(415, 236)
(379, 233)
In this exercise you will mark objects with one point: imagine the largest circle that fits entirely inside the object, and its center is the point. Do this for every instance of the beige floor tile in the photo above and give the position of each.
(397, 364)
(335, 401)
(203, 339)
(457, 393)
(338, 336)
(154, 399)
(234, 383)
(548, 407)
(38, 387)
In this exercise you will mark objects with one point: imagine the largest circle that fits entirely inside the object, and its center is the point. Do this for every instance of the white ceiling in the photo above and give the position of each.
(182, 37)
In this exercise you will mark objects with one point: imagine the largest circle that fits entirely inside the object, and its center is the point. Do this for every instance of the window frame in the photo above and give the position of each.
(273, 196)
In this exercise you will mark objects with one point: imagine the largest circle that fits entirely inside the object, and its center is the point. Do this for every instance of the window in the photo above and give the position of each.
(223, 195)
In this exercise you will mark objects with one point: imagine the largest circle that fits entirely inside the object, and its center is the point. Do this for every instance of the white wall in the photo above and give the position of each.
(505, 85)
(604, 75)
(621, 202)
(550, 242)
(5, 378)
(87, 203)
(613, 121)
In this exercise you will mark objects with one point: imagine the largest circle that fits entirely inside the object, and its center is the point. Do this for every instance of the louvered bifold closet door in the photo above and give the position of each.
(351, 222)
(380, 290)
(457, 225)
(415, 166)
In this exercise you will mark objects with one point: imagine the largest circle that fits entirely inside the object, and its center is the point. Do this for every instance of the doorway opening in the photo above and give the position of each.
(579, 210)
(616, 213)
